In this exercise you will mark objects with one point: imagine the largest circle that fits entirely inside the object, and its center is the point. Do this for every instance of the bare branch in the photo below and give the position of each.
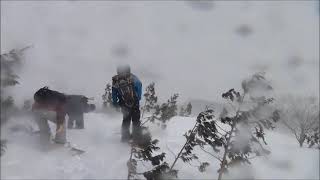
(221, 128)
(210, 154)
(192, 164)
(175, 156)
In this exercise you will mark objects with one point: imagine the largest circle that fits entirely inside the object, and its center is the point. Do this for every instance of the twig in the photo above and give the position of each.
(192, 164)
(210, 154)
(179, 154)
(258, 142)
(145, 122)
(175, 156)
(221, 128)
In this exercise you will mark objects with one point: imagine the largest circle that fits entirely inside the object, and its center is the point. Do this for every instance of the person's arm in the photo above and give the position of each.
(138, 87)
(115, 98)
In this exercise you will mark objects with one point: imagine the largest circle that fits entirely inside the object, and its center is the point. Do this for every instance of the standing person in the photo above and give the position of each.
(76, 106)
(50, 105)
(126, 93)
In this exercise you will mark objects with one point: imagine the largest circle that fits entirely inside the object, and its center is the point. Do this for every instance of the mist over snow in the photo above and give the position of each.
(184, 48)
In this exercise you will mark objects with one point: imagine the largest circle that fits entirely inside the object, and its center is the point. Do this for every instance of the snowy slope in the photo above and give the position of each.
(106, 156)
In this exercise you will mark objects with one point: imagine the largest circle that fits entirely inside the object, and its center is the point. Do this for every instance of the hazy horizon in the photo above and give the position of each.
(195, 52)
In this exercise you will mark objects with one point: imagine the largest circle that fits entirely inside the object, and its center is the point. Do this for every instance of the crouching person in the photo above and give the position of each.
(126, 93)
(76, 106)
(48, 106)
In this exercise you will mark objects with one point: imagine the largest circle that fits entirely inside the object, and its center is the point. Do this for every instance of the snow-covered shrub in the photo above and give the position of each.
(192, 140)
(143, 148)
(107, 96)
(151, 99)
(8, 108)
(164, 112)
(3, 146)
(301, 116)
(8, 78)
(27, 105)
(186, 111)
(9, 63)
(246, 121)
(107, 99)
(313, 138)
(237, 133)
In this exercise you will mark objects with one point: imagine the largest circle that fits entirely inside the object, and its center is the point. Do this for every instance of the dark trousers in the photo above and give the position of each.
(130, 114)
(76, 117)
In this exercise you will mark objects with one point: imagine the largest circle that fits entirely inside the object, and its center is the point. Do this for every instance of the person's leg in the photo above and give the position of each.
(60, 137)
(79, 121)
(135, 120)
(44, 129)
(125, 124)
(71, 120)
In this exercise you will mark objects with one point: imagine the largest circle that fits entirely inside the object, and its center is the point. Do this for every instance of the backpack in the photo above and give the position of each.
(47, 96)
(125, 86)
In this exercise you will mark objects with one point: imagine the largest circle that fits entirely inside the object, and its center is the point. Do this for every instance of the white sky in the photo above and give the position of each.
(183, 49)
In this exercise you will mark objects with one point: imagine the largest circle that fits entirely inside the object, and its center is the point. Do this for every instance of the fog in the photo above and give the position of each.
(197, 52)
(198, 49)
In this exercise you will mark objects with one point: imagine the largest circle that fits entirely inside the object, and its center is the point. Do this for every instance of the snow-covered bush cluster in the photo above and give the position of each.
(301, 116)
(10, 63)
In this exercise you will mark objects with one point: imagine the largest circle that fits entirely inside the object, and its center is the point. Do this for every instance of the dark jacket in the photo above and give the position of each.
(51, 100)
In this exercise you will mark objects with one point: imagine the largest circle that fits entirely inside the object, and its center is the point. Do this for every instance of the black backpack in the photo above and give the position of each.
(125, 85)
(45, 95)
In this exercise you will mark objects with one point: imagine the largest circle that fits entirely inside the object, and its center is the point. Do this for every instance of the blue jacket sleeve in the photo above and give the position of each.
(138, 87)
(115, 98)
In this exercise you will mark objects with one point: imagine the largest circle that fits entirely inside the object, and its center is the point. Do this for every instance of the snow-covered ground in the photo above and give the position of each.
(106, 156)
